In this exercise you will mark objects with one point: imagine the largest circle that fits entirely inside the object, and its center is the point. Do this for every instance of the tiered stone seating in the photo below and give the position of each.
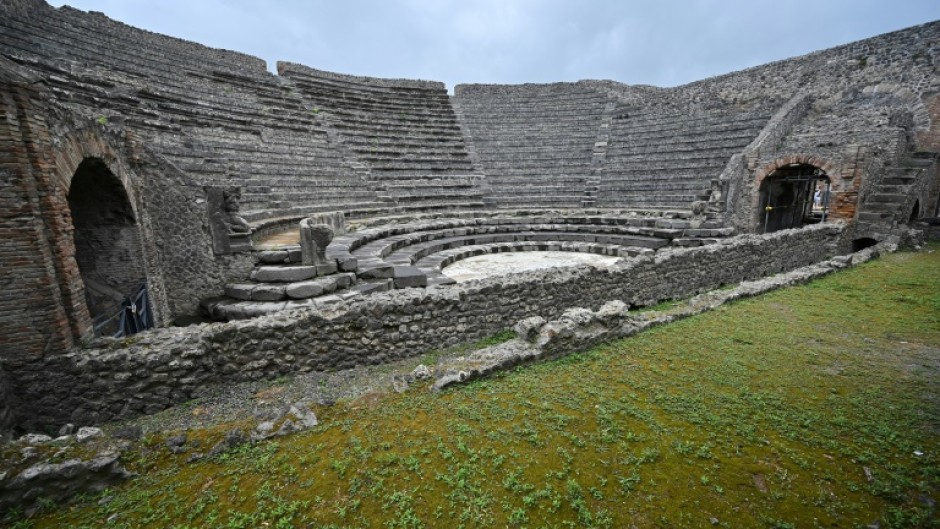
(377, 251)
(412, 254)
(535, 142)
(668, 160)
(405, 131)
(218, 115)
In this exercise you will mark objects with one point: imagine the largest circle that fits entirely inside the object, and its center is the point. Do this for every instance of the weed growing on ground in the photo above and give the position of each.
(814, 406)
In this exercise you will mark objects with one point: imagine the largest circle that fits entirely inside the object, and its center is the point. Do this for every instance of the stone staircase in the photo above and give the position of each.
(280, 281)
(535, 142)
(886, 201)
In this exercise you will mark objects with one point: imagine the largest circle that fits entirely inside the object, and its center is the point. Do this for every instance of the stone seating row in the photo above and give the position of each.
(376, 120)
(531, 131)
(380, 242)
(65, 37)
(111, 35)
(406, 255)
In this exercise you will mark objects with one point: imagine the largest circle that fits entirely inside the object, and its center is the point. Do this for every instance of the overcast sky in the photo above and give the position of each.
(658, 42)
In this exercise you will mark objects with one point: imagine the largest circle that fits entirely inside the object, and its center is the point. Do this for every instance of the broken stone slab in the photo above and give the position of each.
(283, 274)
(298, 417)
(33, 439)
(379, 270)
(382, 285)
(268, 293)
(327, 268)
(347, 263)
(422, 372)
(273, 256)
(56, 482)
(409, 276)
(239, 290)
(305, 289)
(304, 415)
(87, 433)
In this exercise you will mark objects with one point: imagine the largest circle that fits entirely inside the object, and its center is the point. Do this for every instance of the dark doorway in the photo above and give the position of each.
(107, 248)
(792, 196)
(915, 213)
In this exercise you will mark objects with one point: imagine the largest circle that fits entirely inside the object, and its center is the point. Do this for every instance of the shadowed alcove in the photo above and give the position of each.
(107, 240)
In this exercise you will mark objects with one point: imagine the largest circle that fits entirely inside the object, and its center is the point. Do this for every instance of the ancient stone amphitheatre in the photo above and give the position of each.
(254, 225)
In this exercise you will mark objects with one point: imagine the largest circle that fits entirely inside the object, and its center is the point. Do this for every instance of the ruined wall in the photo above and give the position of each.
(168, 366)
(42, 305)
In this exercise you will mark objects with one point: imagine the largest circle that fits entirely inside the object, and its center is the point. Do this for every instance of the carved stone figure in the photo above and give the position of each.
(314, 238)
(230, 208)
(230, 232)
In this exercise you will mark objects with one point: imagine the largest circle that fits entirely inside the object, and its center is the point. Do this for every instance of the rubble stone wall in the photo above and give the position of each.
(146, 373)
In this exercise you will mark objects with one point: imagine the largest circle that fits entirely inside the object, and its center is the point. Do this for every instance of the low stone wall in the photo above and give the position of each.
(580, 329)
(144, 374)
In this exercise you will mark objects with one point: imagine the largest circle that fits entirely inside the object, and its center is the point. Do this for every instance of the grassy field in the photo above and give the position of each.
(815, 406)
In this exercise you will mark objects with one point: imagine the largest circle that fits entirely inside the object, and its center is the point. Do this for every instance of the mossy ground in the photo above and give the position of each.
(815, 406)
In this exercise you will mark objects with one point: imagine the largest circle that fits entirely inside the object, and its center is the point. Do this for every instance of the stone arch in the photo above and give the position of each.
(799, 158)
(106, 237)
(82, 146)
(828, 168)
(89, 143)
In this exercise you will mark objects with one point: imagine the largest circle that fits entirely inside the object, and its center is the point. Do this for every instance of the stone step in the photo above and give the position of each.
(293, 290)
(290, 273)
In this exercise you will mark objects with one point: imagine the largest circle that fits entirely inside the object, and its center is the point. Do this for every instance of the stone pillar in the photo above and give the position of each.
(314, 238)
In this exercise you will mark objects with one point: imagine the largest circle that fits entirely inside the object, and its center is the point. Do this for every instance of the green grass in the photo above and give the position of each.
(803, 408)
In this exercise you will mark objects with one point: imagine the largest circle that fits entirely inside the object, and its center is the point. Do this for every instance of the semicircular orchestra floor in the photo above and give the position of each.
(494, 265)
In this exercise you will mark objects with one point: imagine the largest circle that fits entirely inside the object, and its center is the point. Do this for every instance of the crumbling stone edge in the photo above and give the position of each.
(579, 329)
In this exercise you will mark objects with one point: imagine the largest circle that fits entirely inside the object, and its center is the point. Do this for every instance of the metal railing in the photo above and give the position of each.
(130, 316)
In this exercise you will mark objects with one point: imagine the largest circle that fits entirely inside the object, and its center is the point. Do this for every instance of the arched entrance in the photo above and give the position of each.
(792, 196)
(108, 250)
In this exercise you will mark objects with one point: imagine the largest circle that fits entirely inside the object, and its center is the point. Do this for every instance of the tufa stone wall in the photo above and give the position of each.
(150, 372)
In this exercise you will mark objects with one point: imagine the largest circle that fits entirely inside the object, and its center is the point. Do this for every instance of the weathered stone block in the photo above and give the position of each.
(304, 289)
(268, 293)
(409, 276)
(286, 274)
